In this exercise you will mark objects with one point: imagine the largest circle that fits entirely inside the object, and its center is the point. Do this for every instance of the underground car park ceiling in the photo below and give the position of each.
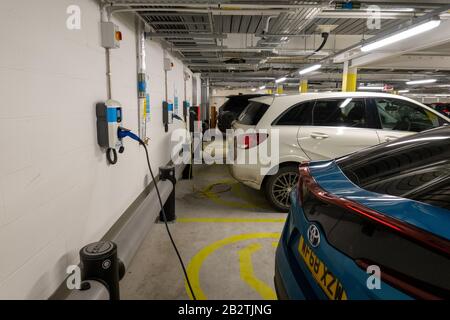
(225, 150)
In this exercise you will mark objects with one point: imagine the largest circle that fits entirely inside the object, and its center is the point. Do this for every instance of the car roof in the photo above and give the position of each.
(246, 96)
(295, 98)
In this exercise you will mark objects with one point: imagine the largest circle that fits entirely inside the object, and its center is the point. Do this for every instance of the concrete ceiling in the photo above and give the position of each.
(248, 43)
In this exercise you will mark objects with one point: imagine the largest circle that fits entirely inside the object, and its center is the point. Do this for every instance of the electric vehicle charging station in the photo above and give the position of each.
(109, 117)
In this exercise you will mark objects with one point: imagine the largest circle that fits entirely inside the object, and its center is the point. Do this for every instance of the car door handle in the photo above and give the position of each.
(390, 138)
(318, 135)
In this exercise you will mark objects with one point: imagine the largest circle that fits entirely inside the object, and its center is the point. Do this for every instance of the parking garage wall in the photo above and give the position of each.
(57, 192)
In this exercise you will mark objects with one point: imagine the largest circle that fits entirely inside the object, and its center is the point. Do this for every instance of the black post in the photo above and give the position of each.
(99, 262)
(168, 173)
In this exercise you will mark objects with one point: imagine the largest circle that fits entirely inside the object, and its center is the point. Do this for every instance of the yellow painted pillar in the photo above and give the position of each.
(280, 89)
(349, 78)
(303, 87)
(269, 91)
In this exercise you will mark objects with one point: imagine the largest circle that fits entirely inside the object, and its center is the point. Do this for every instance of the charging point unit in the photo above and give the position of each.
(109, 117)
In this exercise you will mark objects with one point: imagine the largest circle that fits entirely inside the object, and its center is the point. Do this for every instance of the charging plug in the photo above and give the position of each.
(124, 132)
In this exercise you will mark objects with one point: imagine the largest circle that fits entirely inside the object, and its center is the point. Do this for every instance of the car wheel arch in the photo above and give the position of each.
(280, 165)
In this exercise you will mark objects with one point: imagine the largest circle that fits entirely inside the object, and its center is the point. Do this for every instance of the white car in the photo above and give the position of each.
(316, 126)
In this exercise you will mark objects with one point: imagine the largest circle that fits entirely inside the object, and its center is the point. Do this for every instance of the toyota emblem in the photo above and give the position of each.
(313, 235)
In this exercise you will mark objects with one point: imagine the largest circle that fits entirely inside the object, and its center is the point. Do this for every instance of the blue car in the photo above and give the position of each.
(371, 225)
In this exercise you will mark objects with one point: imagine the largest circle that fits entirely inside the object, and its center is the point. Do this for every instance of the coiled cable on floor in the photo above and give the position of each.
(165, 221)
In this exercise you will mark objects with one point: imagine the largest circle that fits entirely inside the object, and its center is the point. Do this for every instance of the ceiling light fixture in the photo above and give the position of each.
(425, 81)
(282, 79)
(310, 69)
(403, 91)
(421, 28)
(262, 87)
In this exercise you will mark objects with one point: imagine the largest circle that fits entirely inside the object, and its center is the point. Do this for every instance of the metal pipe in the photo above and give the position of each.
(141, 79)
(108, 73)
(186, 35)
(226, 7)
(164, 23)
(106, 16)
(247, 12)
(215, 48)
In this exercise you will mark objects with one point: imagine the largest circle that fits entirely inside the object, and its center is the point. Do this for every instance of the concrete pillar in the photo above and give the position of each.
(349, 77)
(269, 91)
(303, 87)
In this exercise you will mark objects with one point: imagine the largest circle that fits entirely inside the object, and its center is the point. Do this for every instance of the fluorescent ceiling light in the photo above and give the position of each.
(280, 80)
(398, 9)
(427, 26)
(262, 87)
(253, 89)
(309, 69)
(421, 81)
(370, 88)
(403, 91)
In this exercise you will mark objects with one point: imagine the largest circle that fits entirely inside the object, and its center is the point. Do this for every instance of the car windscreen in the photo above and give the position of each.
(416, 167)
(253, 113)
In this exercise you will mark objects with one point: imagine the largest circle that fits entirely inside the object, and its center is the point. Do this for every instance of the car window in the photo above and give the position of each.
(299, 114)
(400, 115)
(253, 113)
(235, 105)
(348, 112)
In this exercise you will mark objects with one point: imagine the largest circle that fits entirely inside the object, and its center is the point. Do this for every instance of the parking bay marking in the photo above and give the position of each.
(194, 266)
(248, 274)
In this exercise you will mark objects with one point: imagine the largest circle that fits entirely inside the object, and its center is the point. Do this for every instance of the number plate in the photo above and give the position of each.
(327, 281)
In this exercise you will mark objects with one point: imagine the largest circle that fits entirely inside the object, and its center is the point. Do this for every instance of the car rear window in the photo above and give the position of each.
(235, 105)
(253, 113)
(415, 167)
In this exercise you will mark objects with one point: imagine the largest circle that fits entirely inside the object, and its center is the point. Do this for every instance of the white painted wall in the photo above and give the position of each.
(57, 192)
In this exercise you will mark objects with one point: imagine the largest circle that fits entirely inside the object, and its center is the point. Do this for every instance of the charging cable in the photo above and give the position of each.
(123, 132)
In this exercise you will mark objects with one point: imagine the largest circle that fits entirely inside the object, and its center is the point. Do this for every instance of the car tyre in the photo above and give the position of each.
(279, 186)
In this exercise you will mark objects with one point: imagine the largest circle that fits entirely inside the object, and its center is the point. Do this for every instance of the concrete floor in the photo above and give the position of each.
(226, 234)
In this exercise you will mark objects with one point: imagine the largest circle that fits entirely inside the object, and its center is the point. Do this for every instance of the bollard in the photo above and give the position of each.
(99, 262)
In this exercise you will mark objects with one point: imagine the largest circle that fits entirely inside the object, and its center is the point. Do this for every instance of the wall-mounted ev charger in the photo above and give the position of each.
(109, 117)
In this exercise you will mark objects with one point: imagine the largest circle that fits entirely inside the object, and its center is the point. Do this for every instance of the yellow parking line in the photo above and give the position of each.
(248, 274)
(232, 220)
(193, 269)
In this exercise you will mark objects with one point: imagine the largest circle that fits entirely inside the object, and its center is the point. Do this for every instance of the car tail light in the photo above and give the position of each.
(302, 187)
(406, 230)
(250, 140)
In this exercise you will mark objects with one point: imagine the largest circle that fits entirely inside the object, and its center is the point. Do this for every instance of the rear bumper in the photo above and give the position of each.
(248, 174)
